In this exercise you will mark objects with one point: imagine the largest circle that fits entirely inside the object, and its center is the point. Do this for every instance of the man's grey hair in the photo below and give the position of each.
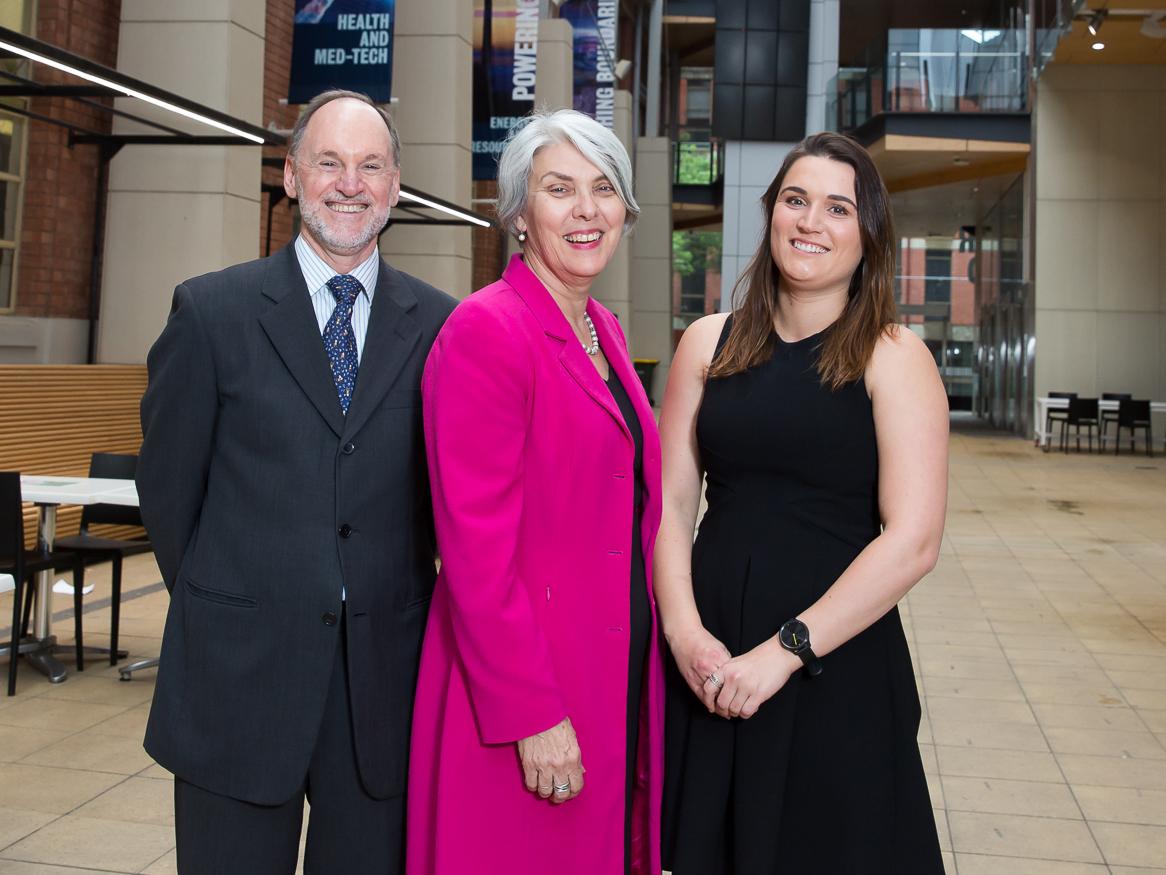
(543, 128)
(301, 125)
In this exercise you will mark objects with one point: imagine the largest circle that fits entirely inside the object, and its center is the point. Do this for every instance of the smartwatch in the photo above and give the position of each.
(794, 636)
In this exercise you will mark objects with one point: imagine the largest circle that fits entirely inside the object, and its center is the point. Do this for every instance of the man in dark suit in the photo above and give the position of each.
(283, 482)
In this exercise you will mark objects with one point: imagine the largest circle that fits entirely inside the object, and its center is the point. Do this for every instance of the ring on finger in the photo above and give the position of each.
(715, 681)
(563, 788)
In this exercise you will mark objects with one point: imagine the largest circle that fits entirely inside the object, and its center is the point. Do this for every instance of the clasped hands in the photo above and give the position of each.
(746, 682)
(552, 764)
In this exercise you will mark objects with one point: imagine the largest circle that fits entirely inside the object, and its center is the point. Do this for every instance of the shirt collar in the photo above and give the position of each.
(317, 271)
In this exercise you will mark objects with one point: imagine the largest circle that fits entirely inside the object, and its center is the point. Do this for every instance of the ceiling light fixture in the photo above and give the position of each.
(433, 205)
(128, 92)
(1098, 46)
(1152, 26)
(1096, 20)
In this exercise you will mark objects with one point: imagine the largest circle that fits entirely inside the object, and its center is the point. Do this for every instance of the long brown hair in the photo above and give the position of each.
(870, 302)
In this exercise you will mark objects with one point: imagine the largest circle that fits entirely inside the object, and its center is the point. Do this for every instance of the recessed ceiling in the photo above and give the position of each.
(941, 210)
(1120, 33)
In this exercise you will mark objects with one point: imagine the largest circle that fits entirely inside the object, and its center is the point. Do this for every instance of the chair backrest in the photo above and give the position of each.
(1082, 410)
(11, 518)
(1062, 395)
(118, 467)
(1130, 412)
(1116, 396)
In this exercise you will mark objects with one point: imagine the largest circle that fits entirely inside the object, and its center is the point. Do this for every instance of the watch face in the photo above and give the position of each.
(794, 636)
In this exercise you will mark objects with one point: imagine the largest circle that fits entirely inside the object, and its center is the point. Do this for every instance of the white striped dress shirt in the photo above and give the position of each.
(317, 272)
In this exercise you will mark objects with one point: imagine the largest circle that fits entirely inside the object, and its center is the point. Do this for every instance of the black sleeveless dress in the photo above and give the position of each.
(826, 777)
(639, 611)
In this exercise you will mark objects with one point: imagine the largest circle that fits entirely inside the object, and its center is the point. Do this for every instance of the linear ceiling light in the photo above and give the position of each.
(458, 214)
(128, 92)
(1096, 20)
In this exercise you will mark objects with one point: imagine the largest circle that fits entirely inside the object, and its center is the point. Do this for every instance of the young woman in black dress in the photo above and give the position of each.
(821, 427)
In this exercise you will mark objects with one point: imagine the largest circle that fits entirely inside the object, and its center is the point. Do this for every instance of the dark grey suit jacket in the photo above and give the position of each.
(263, 500)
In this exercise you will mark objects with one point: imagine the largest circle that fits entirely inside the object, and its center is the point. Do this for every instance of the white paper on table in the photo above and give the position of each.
(63, 587)
(7, 583)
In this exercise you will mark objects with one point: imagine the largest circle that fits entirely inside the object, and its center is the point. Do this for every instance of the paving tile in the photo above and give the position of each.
(17, 742)
(90, 750)
(1127, 844)
(44, 713)
(1008, 764)
(137, 800)
(17, 867)
(1110, 771)
(49, 790)
(1122, 804)
(1074, 717)
(980, 864)
(1003, 796)
(1105, 742)
(1003, 736)
(970, 688)
(941, 708)
(16, 823)
(97, 686)
(1010, 835)
(94, 843)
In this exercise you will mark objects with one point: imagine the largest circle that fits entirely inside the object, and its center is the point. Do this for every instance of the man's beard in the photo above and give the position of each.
(315, 218)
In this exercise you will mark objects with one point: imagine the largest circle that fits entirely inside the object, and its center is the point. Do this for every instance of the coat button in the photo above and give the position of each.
(349, 448)
(345, 530)
(329, 619)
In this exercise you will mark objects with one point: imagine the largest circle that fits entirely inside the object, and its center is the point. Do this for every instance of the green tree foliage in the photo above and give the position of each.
(694, 251)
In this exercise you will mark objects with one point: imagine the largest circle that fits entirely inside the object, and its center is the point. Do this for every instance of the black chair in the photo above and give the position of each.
(1056, 415)
(1134, 415)
(1108, 416)
(22, 564)
(93, 549)
(1081, 412)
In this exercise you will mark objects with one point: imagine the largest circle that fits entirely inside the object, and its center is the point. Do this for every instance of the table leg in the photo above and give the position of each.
(41, 658)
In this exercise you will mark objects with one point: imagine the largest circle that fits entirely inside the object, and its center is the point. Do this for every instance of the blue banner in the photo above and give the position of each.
(342, 44)
(594, 25)
(505, 48)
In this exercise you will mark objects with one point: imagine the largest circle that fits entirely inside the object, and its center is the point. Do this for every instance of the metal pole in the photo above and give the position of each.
(104, 156)
(655, 49)
(637, 59)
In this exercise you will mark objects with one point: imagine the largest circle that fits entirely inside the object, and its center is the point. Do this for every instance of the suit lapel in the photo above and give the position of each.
(292, 328)
(392, 335)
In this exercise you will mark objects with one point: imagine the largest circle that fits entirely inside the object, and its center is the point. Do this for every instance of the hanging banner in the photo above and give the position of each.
(595, 32)
(342, 44)
(505, 48)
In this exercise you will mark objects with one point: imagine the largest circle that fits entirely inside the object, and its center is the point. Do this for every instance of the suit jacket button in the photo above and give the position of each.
(345, 530)
(349, 448)
(329, 619)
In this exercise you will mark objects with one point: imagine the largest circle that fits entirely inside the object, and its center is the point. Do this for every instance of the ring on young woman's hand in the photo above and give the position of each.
(714, 680)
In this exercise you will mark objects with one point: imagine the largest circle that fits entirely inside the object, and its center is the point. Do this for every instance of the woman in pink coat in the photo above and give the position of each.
(537, 731)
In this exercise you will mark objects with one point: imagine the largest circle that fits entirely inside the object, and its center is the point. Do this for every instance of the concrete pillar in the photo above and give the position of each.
(611, 288)
(179, 211)
(823, 62)
(432, 80)
(749, 168)
(554, 86)
(651, 268)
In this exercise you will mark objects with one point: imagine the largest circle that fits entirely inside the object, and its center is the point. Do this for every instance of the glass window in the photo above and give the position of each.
(15, 15)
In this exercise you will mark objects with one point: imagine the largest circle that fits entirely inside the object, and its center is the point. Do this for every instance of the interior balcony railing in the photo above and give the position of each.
(934, 71)
(698, 158)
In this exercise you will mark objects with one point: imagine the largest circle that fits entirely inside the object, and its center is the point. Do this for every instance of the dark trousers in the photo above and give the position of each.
(349, 831)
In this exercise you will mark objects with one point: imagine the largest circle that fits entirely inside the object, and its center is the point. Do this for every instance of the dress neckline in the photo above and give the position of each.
(793, 343)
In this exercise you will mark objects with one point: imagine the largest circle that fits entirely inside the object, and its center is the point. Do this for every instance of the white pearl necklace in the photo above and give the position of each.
(594, 348)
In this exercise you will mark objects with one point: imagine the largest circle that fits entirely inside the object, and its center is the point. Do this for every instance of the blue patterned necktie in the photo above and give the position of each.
(340, 339)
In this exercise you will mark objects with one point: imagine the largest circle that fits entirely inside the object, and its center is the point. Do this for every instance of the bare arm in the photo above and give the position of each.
(698, 654)
(911, 427)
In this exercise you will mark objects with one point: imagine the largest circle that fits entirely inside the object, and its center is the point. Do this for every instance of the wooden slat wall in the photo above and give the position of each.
(53, 417)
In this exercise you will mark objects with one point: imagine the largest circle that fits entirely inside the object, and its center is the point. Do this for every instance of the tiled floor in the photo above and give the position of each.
(1040, 643)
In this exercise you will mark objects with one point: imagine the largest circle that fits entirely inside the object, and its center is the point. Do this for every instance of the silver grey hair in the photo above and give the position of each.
(301, 125)
(543, 128)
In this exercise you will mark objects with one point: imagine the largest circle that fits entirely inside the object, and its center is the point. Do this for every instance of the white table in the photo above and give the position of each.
(1044, 405)
(49, 492)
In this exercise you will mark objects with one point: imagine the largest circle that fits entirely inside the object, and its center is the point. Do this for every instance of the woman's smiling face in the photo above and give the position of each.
(814, 236)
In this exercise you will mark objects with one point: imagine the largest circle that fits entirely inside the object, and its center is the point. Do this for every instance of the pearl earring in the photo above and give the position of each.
(521, 236)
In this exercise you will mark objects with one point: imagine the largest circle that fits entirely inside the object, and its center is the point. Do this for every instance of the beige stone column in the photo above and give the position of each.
(432, 82)
(179, 211)
(651, 259)
(611, 287)
(554, 86)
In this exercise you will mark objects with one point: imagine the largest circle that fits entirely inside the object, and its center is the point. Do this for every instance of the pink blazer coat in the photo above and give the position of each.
(531, 467)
